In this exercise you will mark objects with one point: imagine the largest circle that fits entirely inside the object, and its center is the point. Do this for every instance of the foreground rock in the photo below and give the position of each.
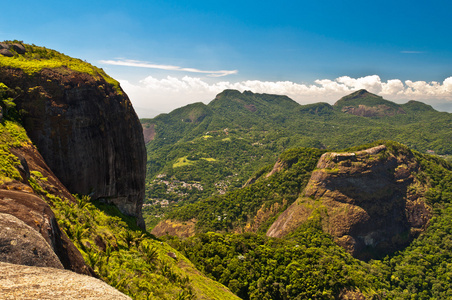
(21, 244)
(25, 282)
(370, 201)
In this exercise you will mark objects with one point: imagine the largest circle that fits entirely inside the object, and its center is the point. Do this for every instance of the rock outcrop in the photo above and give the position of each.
(5, 49)
(18, 200)
(22, 245)
(27, 283)
(87, 132)
(370, 201)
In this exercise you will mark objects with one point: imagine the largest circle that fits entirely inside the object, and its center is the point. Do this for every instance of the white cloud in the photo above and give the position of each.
(143, 64)
(166, 94)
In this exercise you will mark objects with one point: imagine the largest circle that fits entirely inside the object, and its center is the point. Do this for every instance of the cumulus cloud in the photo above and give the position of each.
(143, 64)
(166, 94)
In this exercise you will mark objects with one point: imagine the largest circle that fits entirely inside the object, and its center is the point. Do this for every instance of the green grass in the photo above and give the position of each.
(11, 135)
(37, 58)
(131, 260)
(209, 159)
(183, 161)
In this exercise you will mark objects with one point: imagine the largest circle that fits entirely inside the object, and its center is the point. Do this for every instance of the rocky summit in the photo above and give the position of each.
(84, 127)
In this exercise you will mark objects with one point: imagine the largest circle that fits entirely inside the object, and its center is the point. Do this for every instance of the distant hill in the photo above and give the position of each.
(201, 150)
(362, 103)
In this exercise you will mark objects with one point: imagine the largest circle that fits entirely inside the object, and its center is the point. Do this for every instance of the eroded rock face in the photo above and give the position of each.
(87, 132)
(369, 201)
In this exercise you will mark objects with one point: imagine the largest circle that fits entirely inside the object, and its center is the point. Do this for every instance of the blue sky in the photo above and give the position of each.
(170, 53)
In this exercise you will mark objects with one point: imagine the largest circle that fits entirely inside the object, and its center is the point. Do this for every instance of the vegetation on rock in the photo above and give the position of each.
(81, 121)
(212, 176)
(37, 58)
(120, 253)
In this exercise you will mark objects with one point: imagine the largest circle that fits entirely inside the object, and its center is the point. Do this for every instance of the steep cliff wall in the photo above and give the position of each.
(370, 201)
(87, 132)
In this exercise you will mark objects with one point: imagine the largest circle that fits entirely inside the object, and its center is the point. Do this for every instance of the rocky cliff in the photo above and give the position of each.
(370, 201)
(84, 127)
(30, 232)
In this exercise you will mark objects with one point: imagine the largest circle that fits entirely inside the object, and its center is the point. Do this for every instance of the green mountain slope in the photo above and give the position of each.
(307, 263)
(254, 207)
(201, 150)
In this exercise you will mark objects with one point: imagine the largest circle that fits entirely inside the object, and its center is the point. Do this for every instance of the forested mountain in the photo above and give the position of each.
(311, 259)
(266, 203)
(368, 222)
(201, 150)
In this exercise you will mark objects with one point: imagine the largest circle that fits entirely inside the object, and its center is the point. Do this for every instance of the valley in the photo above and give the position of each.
(252, 196)
(225, 142)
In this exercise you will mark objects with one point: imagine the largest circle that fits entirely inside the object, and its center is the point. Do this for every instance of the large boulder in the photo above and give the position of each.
(21, 244)
(20, 49)
(39, 217)
(19, 200)
(6, 52)
(87, 132)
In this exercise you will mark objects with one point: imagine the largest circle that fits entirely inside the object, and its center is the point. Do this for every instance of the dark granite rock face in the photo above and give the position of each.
(87, 132)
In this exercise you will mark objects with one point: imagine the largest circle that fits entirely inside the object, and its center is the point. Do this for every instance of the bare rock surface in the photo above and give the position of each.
(148, 132)
(6, 52)
(26, 283)
(21, 244)
(37, 214)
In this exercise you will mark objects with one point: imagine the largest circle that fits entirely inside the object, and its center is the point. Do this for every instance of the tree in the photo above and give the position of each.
(6, 97)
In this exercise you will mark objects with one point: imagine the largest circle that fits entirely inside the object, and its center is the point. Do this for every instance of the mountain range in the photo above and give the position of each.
(251, 196)
(202, 150)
